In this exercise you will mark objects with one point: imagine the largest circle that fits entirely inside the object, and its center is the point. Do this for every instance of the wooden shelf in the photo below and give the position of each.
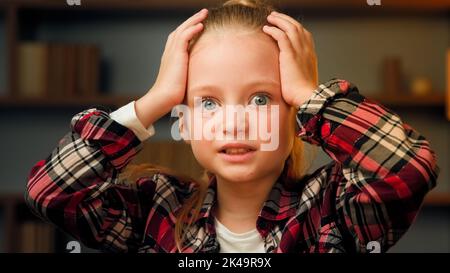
(437, 199)
(436, 99)
(21, 224)
(399, 5)
(12, 8)
(18, 102)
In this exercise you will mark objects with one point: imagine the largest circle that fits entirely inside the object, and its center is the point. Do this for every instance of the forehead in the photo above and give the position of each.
(233, 59)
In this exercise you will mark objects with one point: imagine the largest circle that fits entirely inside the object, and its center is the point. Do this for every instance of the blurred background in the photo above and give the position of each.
(59, 57)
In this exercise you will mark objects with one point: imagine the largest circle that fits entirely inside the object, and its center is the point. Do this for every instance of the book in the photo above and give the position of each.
(57, 70)
(36, 237)
(33, 63)
(88, 70)
(70, 70)
(27, 235)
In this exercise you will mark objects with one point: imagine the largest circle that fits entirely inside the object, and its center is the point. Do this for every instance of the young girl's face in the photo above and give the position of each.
(234, 70)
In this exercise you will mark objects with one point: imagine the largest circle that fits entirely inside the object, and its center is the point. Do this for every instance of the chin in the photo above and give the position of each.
(237, 174)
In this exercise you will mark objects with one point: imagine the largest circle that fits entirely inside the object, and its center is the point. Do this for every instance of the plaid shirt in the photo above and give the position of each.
(371, 191)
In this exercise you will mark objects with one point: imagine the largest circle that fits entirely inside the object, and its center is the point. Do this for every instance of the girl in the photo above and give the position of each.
(252, 200)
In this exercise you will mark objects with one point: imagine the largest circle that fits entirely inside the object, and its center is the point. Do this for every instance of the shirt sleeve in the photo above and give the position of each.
(383, 167)
(78, 187)
(126, 115)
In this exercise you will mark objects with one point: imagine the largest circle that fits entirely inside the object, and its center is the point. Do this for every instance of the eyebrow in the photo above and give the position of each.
(248, 85)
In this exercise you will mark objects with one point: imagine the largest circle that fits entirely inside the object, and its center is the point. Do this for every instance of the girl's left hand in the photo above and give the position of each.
(298, 61)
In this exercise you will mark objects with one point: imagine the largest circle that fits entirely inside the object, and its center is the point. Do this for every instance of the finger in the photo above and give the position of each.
(303, 38)
(281, 37)
(188, 34)
(307, 41)
(193, 20)
(290, 30)
(283, 23)
(310, 38)
(288, 18)
(297, 24)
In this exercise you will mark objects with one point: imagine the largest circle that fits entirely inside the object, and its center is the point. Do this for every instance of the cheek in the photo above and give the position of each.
(203, 152)
(202, 126)
(202, 148)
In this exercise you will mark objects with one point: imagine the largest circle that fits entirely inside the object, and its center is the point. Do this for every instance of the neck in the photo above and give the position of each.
(239, 203)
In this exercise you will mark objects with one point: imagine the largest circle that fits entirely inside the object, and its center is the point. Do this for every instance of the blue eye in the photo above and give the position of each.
(208, 104)
(260, 100)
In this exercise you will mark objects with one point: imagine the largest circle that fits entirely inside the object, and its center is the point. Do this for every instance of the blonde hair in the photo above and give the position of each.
(248, 14)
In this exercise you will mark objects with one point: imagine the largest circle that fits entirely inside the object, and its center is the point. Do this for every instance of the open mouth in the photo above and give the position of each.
(236, 151)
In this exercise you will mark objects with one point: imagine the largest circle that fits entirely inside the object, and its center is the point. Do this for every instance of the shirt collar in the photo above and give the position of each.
(281, 204)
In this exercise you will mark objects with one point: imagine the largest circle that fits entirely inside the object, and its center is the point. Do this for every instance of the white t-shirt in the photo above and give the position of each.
(230, 242)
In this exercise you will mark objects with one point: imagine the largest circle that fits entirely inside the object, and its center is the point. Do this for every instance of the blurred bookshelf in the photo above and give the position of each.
(434, 100)
(437, 199)
(12, 10)
(23, 231)
(55, 102)
(79, 86)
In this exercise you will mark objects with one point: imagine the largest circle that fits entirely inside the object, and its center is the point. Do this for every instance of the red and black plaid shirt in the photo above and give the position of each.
(371, 191)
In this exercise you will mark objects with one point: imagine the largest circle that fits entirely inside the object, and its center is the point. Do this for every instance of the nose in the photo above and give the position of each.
(236, 123)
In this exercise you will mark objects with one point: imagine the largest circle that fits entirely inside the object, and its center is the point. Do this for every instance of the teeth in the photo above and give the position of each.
(235, 151)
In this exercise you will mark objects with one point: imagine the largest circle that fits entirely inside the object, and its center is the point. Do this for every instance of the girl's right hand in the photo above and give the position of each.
(172, 76)
(170, 86)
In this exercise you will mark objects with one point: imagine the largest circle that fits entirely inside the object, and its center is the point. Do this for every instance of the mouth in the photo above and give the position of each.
(237, 153)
